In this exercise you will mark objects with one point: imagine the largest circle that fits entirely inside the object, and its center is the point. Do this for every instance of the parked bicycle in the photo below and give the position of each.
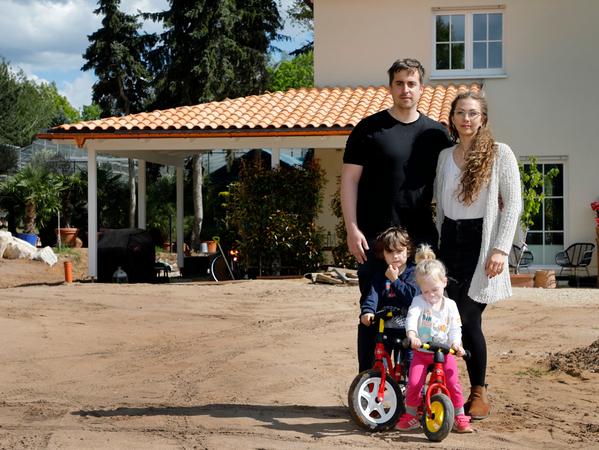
(225, 265)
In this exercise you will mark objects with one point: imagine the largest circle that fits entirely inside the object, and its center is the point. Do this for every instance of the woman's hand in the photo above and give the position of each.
(495, 264)
(367, 319)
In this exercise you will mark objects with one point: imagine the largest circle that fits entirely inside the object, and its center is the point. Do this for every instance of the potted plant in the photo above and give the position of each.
(36, 195)
(72, 198)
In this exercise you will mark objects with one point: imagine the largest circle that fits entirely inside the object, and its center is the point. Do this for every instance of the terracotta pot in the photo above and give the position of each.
(211, 246)
(522, 280)
(68, 236)
(545, 279)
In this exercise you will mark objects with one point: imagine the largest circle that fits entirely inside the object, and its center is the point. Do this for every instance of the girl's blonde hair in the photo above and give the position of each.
(427, 264)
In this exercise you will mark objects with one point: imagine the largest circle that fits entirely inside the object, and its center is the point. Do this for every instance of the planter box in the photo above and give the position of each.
(522, 280)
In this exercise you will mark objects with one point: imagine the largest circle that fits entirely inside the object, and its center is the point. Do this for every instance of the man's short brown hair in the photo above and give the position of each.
(409, 64)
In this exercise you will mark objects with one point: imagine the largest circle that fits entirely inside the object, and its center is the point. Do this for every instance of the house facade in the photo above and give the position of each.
(536, 60)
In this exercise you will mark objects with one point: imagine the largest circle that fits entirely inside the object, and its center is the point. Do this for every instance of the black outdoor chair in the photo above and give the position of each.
(525, 260)
(577, 256)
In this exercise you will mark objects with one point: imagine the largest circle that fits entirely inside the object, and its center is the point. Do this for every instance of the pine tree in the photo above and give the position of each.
(211, 50)
(115, 54)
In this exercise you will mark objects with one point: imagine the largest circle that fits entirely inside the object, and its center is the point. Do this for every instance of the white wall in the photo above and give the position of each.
(546, 105)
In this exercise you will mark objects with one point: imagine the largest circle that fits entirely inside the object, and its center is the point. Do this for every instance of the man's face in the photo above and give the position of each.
(406, 89)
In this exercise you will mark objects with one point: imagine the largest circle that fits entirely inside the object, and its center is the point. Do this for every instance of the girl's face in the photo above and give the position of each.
(432, 289)
(467, 117)
(397, 257)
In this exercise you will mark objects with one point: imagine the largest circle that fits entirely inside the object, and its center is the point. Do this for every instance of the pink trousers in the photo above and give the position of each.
(418, 367)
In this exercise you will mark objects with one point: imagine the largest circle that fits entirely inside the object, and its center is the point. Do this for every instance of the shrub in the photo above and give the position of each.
(273, 212)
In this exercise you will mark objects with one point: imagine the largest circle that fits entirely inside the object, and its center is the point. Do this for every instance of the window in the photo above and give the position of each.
(467, 44)
(546, 236)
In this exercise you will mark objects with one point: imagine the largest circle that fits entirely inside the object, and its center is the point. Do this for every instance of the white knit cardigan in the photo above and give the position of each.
(499, 227)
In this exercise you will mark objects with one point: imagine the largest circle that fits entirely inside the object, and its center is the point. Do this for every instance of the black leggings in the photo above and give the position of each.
(460, 248)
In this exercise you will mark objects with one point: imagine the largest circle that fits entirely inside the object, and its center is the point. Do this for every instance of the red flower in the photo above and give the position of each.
(595, 205)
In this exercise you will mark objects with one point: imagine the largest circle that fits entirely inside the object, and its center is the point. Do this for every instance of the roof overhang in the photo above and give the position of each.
(172, 148)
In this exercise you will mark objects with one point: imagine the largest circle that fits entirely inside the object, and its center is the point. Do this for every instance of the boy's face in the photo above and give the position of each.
(396, 257)
(432, 289)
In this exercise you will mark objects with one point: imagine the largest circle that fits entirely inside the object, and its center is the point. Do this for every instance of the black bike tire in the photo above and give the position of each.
(448, 418)
(219, 269)
(354, 399)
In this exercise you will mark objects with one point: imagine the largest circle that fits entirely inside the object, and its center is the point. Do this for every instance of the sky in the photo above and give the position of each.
(47, 38)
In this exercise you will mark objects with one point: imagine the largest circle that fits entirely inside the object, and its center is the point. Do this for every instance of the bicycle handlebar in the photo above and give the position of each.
(383, 313)
(437, 347)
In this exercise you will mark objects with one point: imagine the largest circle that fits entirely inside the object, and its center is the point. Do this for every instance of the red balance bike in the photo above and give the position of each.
(437, 409)
(376, 396)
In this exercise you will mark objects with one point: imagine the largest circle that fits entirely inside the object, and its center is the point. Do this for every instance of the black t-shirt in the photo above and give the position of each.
(399, 162)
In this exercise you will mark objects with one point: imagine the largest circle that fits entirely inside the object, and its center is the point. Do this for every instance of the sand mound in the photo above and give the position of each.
(577, 360)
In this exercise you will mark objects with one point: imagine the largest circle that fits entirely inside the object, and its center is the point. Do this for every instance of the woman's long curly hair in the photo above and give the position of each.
(481, 153)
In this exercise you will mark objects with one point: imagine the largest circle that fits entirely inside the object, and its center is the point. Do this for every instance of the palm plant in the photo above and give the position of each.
(38, 192)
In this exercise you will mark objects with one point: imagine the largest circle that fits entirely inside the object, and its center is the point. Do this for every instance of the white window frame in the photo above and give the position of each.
(468, 71)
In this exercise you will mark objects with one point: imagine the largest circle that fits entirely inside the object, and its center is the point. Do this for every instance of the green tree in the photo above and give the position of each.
(91, 112)
(25, 107)
(301, 12)
(294, 73)
(211, 50)
(63, 110)
(115, 54)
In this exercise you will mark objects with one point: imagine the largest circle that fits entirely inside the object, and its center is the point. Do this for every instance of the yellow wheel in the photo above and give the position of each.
(438, 424)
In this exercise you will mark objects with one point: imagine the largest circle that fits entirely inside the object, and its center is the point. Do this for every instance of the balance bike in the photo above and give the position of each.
(376, 396)
(438, 413)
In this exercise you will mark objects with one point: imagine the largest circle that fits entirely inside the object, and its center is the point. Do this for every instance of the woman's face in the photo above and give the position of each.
(467, 117)
(397, 257)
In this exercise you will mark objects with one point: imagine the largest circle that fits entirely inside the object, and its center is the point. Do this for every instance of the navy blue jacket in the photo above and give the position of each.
(384, 293)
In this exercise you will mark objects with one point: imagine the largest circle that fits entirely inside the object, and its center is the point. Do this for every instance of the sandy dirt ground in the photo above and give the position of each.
(262, 364)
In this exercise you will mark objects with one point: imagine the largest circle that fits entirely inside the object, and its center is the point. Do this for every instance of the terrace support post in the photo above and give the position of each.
(179, 186)
(141, 194)
(92, 214)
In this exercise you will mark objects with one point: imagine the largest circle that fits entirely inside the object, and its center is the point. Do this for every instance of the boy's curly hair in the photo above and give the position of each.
(392, 239)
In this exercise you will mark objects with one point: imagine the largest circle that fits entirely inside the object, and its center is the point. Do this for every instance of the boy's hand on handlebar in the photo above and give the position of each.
(367, 319)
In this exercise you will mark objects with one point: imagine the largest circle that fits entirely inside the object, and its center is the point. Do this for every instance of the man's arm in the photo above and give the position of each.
(356, 242)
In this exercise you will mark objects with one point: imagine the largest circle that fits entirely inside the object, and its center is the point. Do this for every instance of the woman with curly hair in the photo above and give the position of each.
(478, 208)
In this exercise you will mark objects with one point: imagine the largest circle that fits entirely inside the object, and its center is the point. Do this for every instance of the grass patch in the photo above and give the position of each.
(532, 372)
(69, 253)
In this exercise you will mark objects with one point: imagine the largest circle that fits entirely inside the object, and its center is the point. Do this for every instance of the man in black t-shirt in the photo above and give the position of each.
(387, 179)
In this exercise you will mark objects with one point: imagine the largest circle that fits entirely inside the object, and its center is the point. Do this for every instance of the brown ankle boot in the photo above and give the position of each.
(479, 407)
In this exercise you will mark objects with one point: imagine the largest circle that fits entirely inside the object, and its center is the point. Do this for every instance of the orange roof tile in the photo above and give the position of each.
(295, 109)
